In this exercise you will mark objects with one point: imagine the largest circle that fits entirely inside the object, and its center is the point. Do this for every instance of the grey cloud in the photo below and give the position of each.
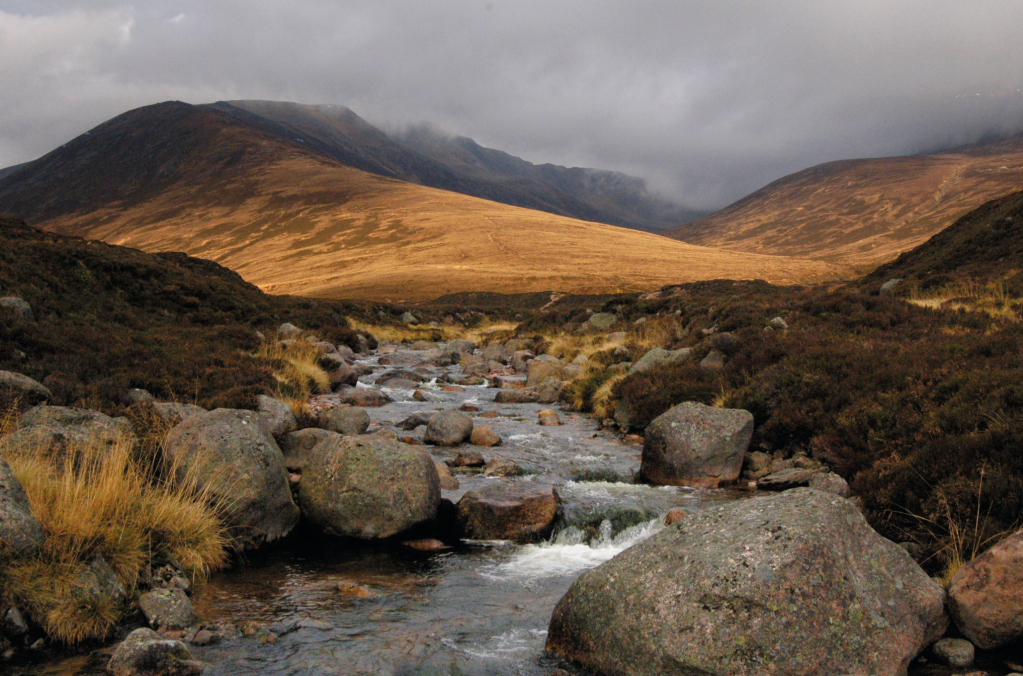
(707, 100)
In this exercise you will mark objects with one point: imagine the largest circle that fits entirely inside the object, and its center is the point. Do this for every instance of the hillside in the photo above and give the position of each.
(176, 177)
(108, 318)
(863, 212)
(425, 157)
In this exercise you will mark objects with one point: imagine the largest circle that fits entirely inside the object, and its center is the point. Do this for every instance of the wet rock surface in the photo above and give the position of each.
(520, 512)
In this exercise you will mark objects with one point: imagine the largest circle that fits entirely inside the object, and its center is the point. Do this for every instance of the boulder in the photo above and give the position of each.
(514, 345)
(521, 511)
(548, 418)
(985, 597)
(299, 446)
(279, 418)
(288, 330)
(423, 345)
(409, 318)
(829, 482)
(344, 420)
(509, 383)
(325, 347)
(890, 285)
(499, 466)
(18, 307)
(62, 427)
(695, 445)
(757, 464)
(456, 348)
(779, 324)
(516, 397)
(796, 583)
(448, 428)
(658, 356)
(469, 458)
(146, 653)
(549, 391)
(484, 436)
(97, 582)
(521, 359)
(367, 397)
(496, 352)
(571, 372)
(174, 412)
(137, 395)
(397, 383)
(725, 342)
(166, 608)
(448, 482)
(369, 487)
(714, 361)
(24, 388)
(231, 455)
(413, 421)
(341, 374)
(345, 352)
(599, 321)
(20, 532)
(541, 369)
(955, 652)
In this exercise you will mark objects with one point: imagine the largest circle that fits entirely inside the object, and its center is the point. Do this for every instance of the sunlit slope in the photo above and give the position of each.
(863, 212)
(175, 177)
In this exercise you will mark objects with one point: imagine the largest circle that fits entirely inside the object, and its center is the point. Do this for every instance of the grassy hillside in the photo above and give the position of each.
(174, 177)
(863, 212)
(109, 318)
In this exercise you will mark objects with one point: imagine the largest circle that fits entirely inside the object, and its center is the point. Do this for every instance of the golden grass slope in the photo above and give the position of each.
(295, 223)
(863, 212)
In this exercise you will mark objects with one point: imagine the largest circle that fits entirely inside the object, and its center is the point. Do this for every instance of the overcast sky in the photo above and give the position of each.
(706, 100)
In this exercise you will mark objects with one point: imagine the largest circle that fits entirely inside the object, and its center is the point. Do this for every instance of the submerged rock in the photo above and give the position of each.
(696, 445)
(795, 583)
(985, 597)
(369, 487)
(231, 455)
(19, 529)
(520, 511)
(146, 653)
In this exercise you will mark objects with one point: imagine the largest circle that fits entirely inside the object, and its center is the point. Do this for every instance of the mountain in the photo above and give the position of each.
(863, 212)
(427, 157)
(983, 246)
(177, 177)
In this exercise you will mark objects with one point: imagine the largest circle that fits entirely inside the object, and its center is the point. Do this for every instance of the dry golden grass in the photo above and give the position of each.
(862, 212)
(486, 332)
(992, 299)
(102, 500)
(297, 370)
(300, 224)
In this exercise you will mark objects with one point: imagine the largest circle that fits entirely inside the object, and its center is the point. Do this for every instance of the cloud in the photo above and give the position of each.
(706, 100)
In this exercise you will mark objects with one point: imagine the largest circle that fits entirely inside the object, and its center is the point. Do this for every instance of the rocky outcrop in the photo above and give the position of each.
(20, 532)
(24, 388)
(696, 445)
(795, 584)
(166, 608)
(231, 455)
(348, 420)
(448, 428)
(279, 417)
(521, 511)
(61, 427)
(146, 653)
(369, 487)
(985, 597)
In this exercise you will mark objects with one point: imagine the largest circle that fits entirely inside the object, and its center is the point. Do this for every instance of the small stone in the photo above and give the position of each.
(490, 414)
(137, 395)
(484, 436)
(674, 515)
(18, 307)
(548, 418)
(778, 323)
(447, 480)
(469, 408)
(166, 608)
(714, 361)
(469, 458)
(955, 652)
(419, 395)
(499, 466)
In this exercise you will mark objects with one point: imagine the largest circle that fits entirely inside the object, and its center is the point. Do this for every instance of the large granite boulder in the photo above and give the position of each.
(794, 584)
(522, 511)
(146, 653)
(448, 428)
(20, 532)
(369, 487)
(344, 420)
(232, 456)
(985, 597)
(24, 388)
(658, 356)
(61, 427)
(696, 445)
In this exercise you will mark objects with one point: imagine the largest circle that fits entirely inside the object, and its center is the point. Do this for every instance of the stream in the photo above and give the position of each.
(479, 609)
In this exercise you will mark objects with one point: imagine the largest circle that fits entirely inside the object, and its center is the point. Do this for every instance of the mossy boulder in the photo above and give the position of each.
(369, 487)
(795, 583)
(232, 456)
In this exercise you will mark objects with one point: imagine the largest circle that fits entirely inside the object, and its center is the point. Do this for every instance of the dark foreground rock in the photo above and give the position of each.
(231, 455)
(19, 529)
(369, 487)
(793, 584)
(521, 512)
(146, 653)
(986, 595)
(696, 445)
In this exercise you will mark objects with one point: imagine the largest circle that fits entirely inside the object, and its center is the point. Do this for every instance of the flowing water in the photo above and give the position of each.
(481, 608)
